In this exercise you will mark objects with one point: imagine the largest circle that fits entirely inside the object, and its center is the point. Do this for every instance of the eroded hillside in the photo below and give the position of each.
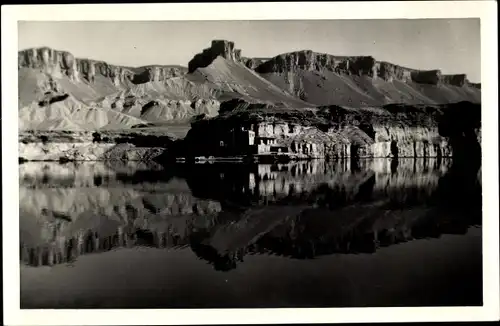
(60, 92)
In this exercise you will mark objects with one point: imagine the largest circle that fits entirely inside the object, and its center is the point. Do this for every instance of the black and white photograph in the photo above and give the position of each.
(250, 163)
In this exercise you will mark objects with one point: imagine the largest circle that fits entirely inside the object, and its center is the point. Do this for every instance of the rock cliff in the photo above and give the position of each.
(222, 48)
(59, 63)
(57, 90)
(157, 73)
(224, 69)
(338, 132)
(325, 79)
(65, 145)
(84, 94)
(253, 63)
(62, 63)
(356, 65)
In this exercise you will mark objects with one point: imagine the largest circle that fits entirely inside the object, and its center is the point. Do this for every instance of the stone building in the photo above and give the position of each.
(271, 138)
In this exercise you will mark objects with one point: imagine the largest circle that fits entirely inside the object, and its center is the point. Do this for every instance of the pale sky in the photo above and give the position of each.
(452, 45)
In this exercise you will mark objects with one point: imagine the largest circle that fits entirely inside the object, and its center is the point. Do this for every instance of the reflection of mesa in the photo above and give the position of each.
(343, 207)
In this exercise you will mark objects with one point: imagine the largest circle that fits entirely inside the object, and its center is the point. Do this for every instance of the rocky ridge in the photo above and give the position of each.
(60, 63)
(350, 103)
(451, 130)
(358, 65)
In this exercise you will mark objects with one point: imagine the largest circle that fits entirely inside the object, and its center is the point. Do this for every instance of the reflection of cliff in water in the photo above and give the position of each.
(224, 212)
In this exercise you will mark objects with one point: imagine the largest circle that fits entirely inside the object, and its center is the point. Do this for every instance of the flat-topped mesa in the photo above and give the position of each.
(455, 80)
(222, 48)
(89, 69)
(389, 72)
(432, 77)
(435, 77)
(475, 85)
(355, 65)
(158, 73)
(309, 60)
(64, 63)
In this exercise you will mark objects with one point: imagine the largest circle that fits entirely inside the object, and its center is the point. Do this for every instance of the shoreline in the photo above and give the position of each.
(253, 159)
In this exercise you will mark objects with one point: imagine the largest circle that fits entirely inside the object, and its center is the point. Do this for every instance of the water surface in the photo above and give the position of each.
(309, 234)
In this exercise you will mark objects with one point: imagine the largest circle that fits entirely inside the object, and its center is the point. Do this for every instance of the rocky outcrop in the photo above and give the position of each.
(432, 77)
(91, 146)
(62, 63)
(395, 131)
(309, 60)
(104, 96)
(252, 63)
(157, 73)
(455, 80)
(86, 151)
(222, 48)
(390, 72)
(355, 65)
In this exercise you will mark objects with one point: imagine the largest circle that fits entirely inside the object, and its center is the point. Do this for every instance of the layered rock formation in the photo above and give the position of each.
(157, 73)
(174, 100)
(222, 67)
(92, 146)
(337, 132)
(58, 91)
(59, 63)
(222, 48)
(253, 63)
(325, 79)
(356, 65)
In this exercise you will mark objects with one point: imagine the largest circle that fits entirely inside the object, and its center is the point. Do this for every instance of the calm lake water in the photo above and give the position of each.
(310, 234)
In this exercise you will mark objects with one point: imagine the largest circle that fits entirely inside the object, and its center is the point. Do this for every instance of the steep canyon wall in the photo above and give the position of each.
(63, 63)
(357, 65)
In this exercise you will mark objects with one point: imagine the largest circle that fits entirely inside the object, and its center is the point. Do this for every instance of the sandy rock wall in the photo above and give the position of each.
(222, 48)
(388, 141)
(59, 63)
(356, 65)
(62, 63)
(409, 142)
(158, 73)
(252, 63)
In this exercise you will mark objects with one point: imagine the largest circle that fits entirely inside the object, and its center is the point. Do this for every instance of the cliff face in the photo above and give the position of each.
(56, 145)
(336, 132)
(62, 63)
(158, 73)
(252, 63)
(226, 50)
(357, 65)
(58, 91)
(223, 68)
(222, 48)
